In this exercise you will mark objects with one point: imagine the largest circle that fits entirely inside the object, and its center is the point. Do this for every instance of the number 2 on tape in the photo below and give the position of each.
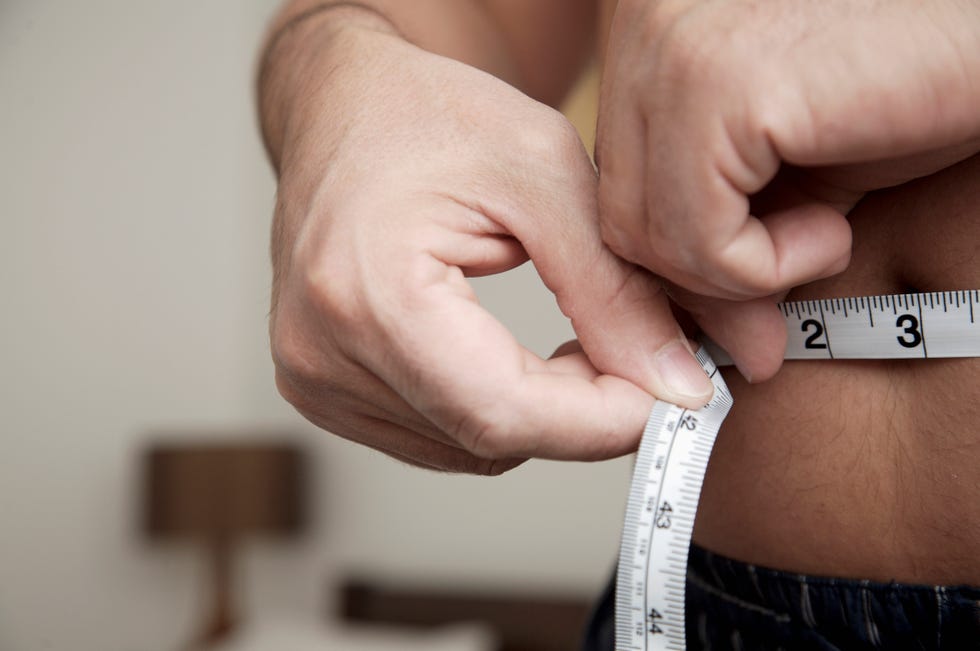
(898, 326)
(677, 442)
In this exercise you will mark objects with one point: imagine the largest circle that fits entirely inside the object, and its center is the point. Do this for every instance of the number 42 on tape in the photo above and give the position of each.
(677, 442)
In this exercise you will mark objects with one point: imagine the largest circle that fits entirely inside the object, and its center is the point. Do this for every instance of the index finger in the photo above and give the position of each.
(498, 400)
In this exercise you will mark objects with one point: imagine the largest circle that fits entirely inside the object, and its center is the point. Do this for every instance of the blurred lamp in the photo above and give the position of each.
(218, 494)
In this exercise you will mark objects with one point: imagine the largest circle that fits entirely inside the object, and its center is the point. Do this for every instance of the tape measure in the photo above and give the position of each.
(663, 501)
(677, 442)
(934, 324)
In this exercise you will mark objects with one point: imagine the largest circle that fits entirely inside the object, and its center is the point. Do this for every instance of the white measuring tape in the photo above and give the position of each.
(677, 442)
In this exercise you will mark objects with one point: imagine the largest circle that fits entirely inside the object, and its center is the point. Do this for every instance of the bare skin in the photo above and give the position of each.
(404, 168)
(745, 149)
(864, 469)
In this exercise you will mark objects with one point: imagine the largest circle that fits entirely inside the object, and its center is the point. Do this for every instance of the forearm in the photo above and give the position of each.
(539, 47)
(296, 58)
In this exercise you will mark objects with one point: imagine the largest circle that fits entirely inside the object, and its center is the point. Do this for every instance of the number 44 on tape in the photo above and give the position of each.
(677, 442)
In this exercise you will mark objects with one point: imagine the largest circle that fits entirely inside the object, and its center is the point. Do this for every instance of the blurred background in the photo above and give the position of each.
(135, 201)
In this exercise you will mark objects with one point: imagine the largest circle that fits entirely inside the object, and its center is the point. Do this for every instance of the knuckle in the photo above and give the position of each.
(551, 138)
(305, 378)
(654, 22)
(745, 275)
(682, 56)
(617, 236)
(292, 356)
(296, 392)
(486, 433)
(634, 243)
(317, 303)
(334, 300)
(304, 355)
(688, 52)
(286, 387)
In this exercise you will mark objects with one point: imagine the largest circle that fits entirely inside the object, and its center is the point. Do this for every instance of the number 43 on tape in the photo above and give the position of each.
(677, 442)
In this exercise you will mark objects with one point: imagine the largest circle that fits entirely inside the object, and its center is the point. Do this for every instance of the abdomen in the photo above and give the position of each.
(867, 469)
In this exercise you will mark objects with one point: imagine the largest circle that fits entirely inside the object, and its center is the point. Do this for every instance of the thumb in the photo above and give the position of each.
(623, 320)
(752, 332)
(619, 311)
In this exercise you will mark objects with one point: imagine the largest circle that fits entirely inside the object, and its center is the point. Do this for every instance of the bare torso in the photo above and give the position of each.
(864, 469)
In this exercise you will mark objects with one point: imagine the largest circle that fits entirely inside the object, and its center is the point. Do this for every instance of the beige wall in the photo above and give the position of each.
(134, 201)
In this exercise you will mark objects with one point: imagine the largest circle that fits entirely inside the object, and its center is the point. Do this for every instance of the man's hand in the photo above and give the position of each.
(735, 135)
(401, 173)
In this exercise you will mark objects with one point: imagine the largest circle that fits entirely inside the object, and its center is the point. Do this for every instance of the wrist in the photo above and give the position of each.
(302, 54)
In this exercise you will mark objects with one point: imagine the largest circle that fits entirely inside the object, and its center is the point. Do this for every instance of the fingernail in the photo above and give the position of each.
(681, 372)
(744, 371)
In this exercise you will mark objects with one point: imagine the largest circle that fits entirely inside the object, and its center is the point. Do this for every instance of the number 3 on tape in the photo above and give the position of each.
(677, 442)
(934, 324)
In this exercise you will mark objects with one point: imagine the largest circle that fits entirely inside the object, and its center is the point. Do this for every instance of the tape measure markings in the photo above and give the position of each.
(922, 327)
(898, 326)
(676, 444)
(661, 509)
(823, 319)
